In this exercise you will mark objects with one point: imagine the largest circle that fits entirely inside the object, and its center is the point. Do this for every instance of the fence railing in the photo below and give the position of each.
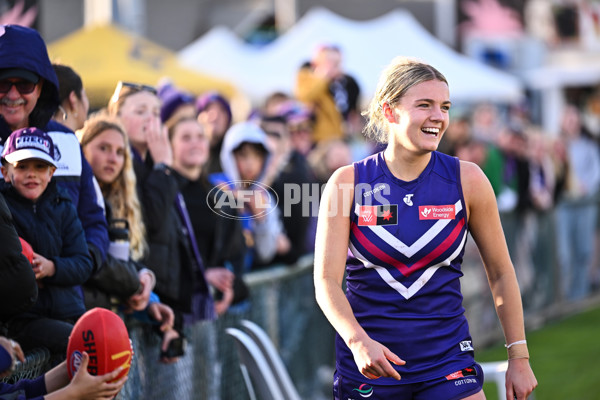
(36, 363)
(283, 303)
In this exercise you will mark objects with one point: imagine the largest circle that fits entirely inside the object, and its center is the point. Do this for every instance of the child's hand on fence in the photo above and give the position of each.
(14, 350)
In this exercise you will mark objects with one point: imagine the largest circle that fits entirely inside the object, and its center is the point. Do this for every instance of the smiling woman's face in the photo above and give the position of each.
(421, 117)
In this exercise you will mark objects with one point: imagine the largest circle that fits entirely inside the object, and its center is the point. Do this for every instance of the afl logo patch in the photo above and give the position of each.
(378, 215)
(74, 362)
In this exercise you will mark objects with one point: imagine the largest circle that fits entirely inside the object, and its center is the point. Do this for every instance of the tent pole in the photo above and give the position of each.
(286, 14)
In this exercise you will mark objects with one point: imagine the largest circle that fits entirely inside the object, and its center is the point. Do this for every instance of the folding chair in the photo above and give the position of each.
(256, 370)
(279, 369)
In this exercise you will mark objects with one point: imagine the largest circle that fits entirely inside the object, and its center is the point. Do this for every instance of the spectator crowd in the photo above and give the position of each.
(123, 207)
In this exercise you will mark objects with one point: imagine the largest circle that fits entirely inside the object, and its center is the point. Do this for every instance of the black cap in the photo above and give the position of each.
(6, 73)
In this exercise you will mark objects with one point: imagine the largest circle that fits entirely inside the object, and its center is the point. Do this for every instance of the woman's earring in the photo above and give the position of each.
(64, 112)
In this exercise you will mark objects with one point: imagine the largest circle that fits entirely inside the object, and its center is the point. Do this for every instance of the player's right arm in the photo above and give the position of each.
(331, 248)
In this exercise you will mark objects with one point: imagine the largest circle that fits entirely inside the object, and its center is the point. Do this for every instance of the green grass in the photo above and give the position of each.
(565, 357)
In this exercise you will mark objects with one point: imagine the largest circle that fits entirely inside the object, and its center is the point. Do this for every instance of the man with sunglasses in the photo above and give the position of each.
(19, 91)
(29, 98)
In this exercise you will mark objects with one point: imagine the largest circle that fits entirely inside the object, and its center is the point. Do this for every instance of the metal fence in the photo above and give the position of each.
(283, 303)
(37, 361)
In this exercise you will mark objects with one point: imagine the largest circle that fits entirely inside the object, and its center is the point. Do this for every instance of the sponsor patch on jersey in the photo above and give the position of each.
(466, 345)
(437, 212)
(378, 215)
(364, 390)
(462, 373)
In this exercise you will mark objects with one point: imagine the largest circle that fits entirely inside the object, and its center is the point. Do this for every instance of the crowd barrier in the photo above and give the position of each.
(283, 303)
(36, 363)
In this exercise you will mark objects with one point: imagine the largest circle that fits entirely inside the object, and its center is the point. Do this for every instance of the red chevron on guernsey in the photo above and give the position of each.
(445, 245)
(403, 268)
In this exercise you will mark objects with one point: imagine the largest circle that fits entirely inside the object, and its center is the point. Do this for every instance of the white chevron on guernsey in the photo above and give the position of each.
(407, 293)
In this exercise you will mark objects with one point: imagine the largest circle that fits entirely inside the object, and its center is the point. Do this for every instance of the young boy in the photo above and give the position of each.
(45, 217)
(245, 160)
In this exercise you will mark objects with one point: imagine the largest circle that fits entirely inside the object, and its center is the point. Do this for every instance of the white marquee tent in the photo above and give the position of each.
(367, 46)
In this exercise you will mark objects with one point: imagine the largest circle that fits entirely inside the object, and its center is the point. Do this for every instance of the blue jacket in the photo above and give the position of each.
(75, 175)
(53, 229)
(22, 47)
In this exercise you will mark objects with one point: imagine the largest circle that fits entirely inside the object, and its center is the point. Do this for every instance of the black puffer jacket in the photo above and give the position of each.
(178, 276)
(18, 289)
(221, 240)
(116, 279)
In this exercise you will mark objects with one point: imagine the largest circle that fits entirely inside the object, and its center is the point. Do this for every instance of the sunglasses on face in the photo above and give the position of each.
(23, 87)
(138, 87)
(125, 89)
(300, 128)
(273, 134)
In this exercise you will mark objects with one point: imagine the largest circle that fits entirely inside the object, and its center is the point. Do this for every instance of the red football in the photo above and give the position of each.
(102, 334)
(27, 250)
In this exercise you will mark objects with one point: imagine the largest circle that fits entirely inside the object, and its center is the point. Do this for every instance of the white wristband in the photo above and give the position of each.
(508, 346)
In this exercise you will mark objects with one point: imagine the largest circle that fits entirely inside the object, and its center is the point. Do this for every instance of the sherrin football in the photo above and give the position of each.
(102, 334)
(27, 250)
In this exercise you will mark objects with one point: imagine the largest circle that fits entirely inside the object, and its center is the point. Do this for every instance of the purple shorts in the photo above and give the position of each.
(455, 386)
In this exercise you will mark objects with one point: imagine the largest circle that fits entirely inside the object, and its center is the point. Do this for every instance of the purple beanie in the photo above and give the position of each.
(294, 112)
(171, 99)
(211, 97)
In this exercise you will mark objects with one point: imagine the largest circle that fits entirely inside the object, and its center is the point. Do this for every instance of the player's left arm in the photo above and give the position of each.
(486, 229)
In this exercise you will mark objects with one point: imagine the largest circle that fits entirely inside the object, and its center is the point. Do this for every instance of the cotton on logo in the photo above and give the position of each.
(425, 212)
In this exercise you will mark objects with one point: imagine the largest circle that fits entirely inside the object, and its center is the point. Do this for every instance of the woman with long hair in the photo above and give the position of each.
(173, 253)
(106, 148)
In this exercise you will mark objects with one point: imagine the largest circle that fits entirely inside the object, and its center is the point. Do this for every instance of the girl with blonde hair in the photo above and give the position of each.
(106, 148)
(401, 328)
(118, 187)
